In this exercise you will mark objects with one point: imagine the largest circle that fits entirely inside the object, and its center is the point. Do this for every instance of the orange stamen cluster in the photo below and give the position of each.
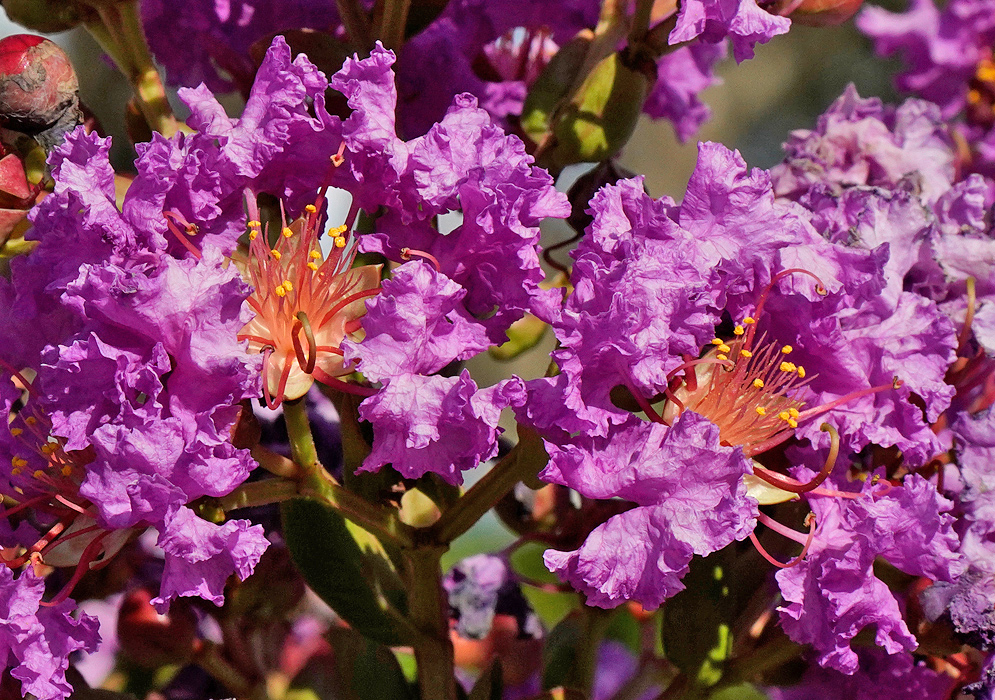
(749, 392)
(981, 94)
(305, 303)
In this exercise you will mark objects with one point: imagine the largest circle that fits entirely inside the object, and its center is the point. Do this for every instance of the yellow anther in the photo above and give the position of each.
(337, 231)
(746, 353)
(49, 448)
(254, 223)
(286, 285)
(784, 415)
(16, 471)
(788, 367)
(718, 341)
(30, 420)
(280, 291)
(792, 422)
(721, 356)
(312, 266)
(738, 330)
(314, 255)
(986, 72)
(340, 241)
(253, 234)
(276, 254)
(749, 319)
(786, 349)
(793, 412)
(761, 411)
(38, 473)
(67, 470)
(16, 431)
(287, 232)
(310, 209)
(724, 348)
(973, 97)
(16, 461)
(801, 372)
(758, 383)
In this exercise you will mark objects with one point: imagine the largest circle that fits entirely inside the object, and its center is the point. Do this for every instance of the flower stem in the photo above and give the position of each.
(429, 613)
(318, 484)
(395, 19)
(119, 33)
(581, 675)
(357, 26)
(259, 493)
(524, 461)
(209, 658)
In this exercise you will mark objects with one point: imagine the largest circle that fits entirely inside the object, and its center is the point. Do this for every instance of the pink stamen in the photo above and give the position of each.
(91, 552)
(270, 403)
(408, 253)
(797, 560)
(181, 237)
(344, 387)
(787, 483)
(896, 383)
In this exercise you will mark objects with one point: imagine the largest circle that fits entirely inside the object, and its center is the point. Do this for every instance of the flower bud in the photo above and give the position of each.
(151, 639)
(46, 16)
(820, 13)
(39, 91)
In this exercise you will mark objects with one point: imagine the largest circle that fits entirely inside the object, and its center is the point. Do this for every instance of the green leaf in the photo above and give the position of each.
(365, 669)
(696, 622)
(490, 685)
(560, 651)
(338, 570)
(744, 691)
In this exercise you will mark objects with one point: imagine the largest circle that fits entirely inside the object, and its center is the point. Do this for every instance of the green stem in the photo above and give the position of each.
(640, 21)
(209, 658)
(357, 26)
(318, 484)
(774, 653)
(429, 613)
(524, 461)
(119, 33)
(395, 19)
(258, 493)
(581, 675)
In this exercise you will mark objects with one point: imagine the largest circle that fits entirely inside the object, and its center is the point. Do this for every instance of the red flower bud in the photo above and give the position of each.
(39, 91)
(818, 13)
(151, 639)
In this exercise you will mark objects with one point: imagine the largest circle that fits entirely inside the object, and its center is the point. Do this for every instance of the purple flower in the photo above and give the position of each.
(833, 594)
(742, 20)
(681, 76)
(436, 424)
(416, 325)
(861, 142)
(193, 40)
(688, 495)
(944, 49)
(37, 641)
(463, 163)
(482, 586)
(879, 676)
(200, 556)
(279, 146)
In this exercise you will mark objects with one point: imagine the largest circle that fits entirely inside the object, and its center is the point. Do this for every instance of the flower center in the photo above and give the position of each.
(981, 94)
(748, 390)
(306, 303)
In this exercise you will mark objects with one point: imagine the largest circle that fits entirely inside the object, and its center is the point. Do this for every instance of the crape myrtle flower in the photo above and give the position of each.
(805, 325)
(948, 53)
(464, 163)
(743, 21)
(860, 141)
(833, 594)
(208, 42)
(36, 639)
(968, 600)
(879, 675)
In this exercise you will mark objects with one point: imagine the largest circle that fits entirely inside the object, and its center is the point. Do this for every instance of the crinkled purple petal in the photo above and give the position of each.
(689, 499)
(741, 20)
